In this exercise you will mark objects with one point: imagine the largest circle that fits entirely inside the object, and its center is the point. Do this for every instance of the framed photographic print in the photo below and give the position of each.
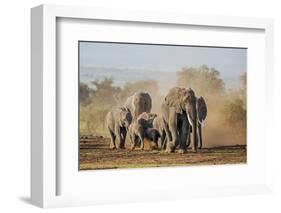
(148, 105)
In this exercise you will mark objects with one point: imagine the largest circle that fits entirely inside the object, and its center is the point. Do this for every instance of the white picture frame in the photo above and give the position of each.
(44, 150)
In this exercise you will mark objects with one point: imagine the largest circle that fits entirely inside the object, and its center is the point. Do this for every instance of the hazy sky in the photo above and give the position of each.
(229, 61)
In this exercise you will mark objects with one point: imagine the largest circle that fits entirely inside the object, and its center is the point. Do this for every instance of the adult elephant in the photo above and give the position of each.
(138, 103)
(179, 114)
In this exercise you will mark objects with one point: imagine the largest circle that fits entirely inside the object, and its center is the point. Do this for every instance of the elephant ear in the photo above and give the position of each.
(177, 98)
(148, 102)
(123, 111)
(128, 104)
(143, 115)
(201, 109)
(126, 109)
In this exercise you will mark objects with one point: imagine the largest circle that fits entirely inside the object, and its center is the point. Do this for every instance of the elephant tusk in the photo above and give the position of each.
(202, 123)
(189, 119)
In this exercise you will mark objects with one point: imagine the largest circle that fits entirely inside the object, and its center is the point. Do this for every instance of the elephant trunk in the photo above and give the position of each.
(138, 111)
(194, 136)
(126, 125)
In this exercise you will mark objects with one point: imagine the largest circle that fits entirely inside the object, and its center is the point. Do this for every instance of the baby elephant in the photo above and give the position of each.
(138, 127)
(152, 135)
(117, 121)
(158, 124)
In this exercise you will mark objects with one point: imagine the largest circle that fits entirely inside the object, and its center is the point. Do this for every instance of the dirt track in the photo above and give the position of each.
(95, 154)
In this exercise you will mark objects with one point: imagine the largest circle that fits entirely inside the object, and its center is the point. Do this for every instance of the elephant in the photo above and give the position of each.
(138, 127)
(118, 121)
(138, 103)
(179, 114)
(158, 123)
(201, 107)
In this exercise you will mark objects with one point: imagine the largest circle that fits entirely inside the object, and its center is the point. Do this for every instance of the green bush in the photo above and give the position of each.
(235, 110)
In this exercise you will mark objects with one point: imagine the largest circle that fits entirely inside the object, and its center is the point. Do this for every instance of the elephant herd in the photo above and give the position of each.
(178, 126)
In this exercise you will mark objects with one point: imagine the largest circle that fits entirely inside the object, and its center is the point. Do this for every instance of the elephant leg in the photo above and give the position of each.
(183, 132)
(194, 137)
(179, 131)
(112, 141)
(199, 138)
(173, 129)
(160, 142)
(137, 141)
(174, 133)
(118, 136)
(163, 140)
(165, 143)
(167, 132)
(123, 138)
(133, 141)
(188, 136)
(141, 138)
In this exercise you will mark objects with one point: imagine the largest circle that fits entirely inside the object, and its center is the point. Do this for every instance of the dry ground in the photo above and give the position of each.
(95, 154)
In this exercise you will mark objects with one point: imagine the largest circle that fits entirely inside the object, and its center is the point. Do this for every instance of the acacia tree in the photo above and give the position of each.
(105, 93)
(100, 99)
